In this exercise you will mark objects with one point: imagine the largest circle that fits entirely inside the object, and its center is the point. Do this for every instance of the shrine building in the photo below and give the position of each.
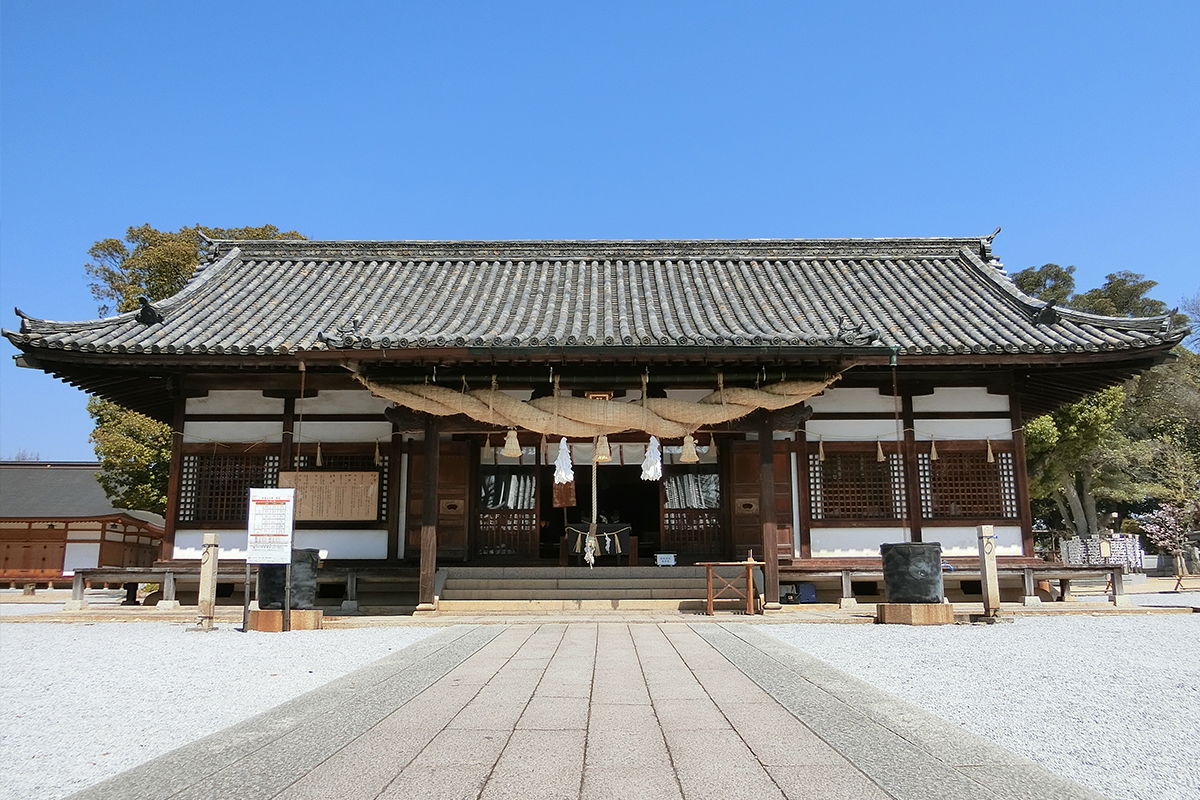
(808, 399)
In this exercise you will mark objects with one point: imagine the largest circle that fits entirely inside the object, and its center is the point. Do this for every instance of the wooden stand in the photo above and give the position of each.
(271, 620)
(915, 613)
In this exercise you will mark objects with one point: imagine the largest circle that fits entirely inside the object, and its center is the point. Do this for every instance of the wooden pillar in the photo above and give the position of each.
(1021, 474)
(429, 517)
(174, 475)
(912, 471)
(804, 479)
(766, 511)
(395, 496)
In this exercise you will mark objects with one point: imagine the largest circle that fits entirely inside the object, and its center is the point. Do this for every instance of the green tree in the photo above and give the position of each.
(156, 263)
(134, 450)
(1123, 449)
(135, 456)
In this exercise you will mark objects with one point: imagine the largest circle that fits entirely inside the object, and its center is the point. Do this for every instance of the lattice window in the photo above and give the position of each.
(216, 488)
(349, 462)
(507, 533)
(964, 484)
(691, 531)
(856, 486)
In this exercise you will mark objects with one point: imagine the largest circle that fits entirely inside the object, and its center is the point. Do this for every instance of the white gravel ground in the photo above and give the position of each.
(82, 702)
(1111, 702)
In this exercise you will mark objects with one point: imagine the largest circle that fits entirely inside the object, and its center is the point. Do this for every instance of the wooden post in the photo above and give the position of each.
(175, 473)
(766, 511)
(429, 517)
(987, 571)
(208, 580)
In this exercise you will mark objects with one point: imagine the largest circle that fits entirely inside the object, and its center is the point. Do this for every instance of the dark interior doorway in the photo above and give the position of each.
(622, 496)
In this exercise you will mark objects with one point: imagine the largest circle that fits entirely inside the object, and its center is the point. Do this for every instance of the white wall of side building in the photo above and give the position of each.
(332, 542)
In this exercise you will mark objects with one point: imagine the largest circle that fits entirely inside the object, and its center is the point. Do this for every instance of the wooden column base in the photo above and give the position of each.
(915, 613)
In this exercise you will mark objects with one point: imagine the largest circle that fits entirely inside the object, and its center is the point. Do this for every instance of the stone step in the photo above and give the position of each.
(648, 593)
(546, 606)
(576, 583)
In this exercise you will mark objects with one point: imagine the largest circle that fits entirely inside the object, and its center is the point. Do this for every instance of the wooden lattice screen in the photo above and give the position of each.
(856, 485)
(691, 531)
(964, 484)
(216, 488)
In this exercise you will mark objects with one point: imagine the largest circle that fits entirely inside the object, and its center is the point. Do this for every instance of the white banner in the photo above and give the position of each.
(269, 539)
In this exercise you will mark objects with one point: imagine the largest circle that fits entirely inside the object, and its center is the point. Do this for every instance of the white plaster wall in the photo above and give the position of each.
(942, 429)
(332, 543)
(235, 402)
(852, 430)
(960, 398)
(849, 401)
(964, 541)
(841, 542)
(83, 535)
(80, 556)
(344, 431)
(233, 431)
(114, 536)
(343, 401)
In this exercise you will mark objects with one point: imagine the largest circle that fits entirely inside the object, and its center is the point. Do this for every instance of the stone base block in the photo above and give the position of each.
(349, 606)
(847, 602)
(168, 605)
(915, 613)
(271, 620)
(76, 605)
(1031, 600)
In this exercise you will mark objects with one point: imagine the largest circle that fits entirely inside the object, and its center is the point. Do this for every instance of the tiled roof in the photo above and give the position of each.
(923, 296)
(57, 490)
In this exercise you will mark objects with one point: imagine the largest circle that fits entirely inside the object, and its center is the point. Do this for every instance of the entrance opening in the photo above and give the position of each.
(622, 496)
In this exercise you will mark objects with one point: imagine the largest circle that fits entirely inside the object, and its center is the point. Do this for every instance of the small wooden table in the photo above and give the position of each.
(746, 591)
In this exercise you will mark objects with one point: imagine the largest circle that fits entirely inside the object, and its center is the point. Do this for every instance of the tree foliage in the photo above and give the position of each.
(135, 456)
(1124, 449)
(156, 263)
(134, 450)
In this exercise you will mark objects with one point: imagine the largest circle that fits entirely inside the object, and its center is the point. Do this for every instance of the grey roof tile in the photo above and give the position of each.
(920, 295)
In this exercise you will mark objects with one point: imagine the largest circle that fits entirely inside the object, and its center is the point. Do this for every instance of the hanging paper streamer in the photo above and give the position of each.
(991, 456)
(689, 454)
(879, 451)
(563, 473)
(820, 449)
(320, 463)
(712, 447)
(652, 463)
(512, 448)
(486, 454)
(933, 456)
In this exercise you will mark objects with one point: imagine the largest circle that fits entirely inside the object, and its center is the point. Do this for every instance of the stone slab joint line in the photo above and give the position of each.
(516, 724)
(654, 710)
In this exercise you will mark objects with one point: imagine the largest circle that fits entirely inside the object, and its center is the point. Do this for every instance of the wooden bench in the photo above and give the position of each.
(1030, 572)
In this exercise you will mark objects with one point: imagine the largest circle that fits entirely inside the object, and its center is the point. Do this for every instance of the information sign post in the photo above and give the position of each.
(269, 540)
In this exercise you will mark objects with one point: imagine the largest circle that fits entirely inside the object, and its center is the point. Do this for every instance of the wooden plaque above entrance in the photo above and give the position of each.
(334, 495)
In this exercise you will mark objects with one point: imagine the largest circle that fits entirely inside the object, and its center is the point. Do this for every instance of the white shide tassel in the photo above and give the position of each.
(652, 463)
(563, 472)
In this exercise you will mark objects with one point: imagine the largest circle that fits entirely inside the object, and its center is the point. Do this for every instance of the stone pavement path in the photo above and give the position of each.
(608, 710)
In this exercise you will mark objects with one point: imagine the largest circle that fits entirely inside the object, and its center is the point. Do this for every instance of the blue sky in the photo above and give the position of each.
(1072, 125)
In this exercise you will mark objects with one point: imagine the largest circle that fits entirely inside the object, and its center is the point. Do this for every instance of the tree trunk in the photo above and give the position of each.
(1088, 497)
(1077, 518)
(1061, 502)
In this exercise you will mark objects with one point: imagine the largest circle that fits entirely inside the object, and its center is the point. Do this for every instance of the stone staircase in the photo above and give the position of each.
(541, 590)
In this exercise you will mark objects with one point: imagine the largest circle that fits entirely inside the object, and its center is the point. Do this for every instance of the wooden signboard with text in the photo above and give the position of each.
(345, 496)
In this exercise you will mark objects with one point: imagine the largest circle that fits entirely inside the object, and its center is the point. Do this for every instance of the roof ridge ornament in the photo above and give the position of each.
(148, 315)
